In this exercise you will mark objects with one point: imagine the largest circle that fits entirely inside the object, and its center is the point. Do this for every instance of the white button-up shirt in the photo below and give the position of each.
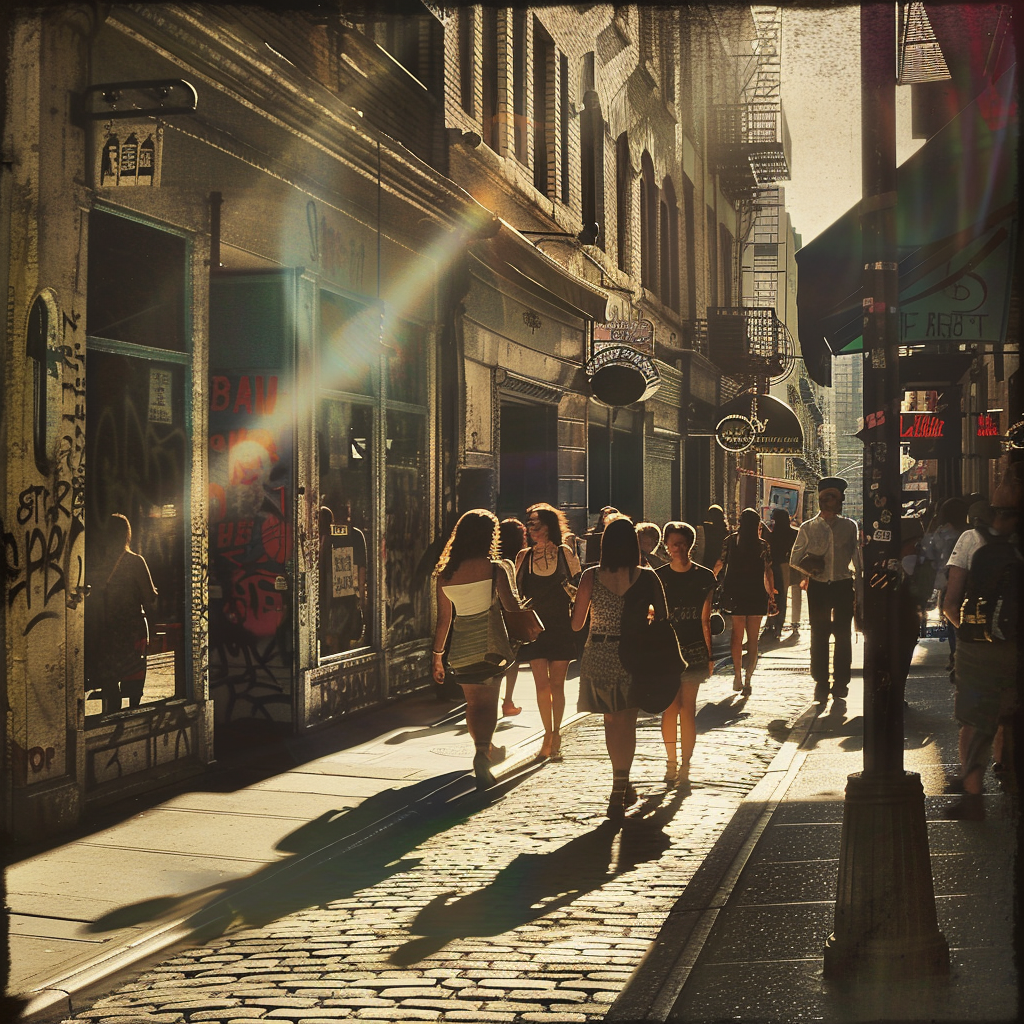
(837, 540)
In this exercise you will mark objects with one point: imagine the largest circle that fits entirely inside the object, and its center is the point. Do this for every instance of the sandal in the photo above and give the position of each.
(670, 771)
(556, 750)
(508, 709)
(482, 770)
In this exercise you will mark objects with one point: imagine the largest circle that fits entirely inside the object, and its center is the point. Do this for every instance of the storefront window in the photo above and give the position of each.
(137, 453)
(346, 563)
(350, 344)
(406, 366)
(407, 530)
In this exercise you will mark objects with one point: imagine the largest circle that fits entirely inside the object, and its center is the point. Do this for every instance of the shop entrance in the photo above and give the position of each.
(529, 457)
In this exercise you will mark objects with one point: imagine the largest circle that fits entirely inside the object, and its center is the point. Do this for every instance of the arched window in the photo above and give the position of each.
(592, 167)
(648, 224)
(669, 237)
(623, 180)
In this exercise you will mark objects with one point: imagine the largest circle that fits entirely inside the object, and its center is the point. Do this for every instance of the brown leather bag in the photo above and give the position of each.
(523, 624)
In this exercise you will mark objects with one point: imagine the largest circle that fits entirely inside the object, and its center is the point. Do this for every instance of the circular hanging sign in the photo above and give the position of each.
(735, 433)
(1015, 435)
(620, 375)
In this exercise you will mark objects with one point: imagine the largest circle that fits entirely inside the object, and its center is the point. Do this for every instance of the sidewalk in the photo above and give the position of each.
(746, 943)
(66, 930)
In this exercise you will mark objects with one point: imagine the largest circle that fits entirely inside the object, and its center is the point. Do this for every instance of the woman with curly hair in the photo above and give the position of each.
(542, 572)
(469, 574)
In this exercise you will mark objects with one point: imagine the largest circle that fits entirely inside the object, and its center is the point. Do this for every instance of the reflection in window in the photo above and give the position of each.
(351, 344)
(346, 510)
(406, 365)
(406, 533)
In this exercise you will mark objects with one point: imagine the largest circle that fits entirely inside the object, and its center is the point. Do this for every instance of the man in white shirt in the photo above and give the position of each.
(827, 550)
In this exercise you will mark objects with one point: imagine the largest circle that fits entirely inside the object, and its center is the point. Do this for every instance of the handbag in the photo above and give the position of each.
(570, 582)
(649, 652)
(522, 624)
(480, 648)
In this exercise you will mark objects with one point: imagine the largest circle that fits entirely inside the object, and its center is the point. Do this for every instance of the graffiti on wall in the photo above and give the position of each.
(339, 689)
(136, 744)
(42, 544)
(251, 548)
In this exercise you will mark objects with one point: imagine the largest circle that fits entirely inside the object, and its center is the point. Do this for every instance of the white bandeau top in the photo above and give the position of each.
(469, 598)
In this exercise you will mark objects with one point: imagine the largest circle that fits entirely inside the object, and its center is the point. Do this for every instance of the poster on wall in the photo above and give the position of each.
(784, 494)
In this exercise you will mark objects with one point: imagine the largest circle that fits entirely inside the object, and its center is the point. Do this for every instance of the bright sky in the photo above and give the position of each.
(821, 99)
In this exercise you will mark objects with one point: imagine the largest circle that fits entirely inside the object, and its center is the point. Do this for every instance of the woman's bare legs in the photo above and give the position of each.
(687, 727)
(481, 718)
(549, 677)
(620, 739)
(508, 709)
(736, 648)
(753, 627)
(669, 725)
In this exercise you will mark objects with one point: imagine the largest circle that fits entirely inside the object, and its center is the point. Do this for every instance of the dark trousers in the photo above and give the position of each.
(830, 609)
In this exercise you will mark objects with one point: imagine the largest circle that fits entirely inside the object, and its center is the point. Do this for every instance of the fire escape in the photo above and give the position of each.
(750, 150)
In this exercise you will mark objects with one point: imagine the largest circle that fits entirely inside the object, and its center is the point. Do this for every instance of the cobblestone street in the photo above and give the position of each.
(528, 906)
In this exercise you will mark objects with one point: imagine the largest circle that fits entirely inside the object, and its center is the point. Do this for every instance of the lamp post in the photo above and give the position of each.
(885, 923)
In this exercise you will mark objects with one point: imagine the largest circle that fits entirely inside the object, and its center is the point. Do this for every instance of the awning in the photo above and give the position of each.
(515, 258)
(955, 228)
(774, 427)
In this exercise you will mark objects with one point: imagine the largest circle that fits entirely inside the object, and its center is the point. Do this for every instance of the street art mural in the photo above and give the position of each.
(251, 547)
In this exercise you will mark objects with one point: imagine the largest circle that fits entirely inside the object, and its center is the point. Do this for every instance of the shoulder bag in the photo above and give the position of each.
(649, 652)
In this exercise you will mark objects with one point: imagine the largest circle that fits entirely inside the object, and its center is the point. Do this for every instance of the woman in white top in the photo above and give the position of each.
(468, 573)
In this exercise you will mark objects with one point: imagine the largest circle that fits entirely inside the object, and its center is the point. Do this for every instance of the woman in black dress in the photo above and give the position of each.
(747, 591)
(543, 572)
(780, 540)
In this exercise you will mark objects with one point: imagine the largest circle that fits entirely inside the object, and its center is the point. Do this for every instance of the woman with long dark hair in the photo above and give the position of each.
(470, 574)
(512, 536)
(542, 572)
(748, 590)
(604, 683)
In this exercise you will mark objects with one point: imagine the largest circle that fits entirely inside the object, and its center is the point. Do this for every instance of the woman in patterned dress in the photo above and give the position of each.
(604, 682)
(542, 570)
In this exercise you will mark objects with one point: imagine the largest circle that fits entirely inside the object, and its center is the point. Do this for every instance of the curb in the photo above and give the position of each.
(54, 999)
(652, 990)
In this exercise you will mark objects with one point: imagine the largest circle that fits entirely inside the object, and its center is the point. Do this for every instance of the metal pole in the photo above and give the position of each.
(885, 922)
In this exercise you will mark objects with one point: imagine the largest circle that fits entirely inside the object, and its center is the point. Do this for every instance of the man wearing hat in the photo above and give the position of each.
(827, 551)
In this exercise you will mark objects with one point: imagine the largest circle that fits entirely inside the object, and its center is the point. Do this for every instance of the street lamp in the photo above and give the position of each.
(885, 922)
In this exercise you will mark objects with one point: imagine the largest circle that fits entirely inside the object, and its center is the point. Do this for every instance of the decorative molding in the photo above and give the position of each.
(513, 383)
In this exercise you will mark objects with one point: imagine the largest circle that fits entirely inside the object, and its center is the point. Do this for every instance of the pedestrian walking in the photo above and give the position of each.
(939, 540)
(512, 535)
(121, 606)
(711, 536)
(780, 540)
(604, 683)
(649, 535)
(473, 584)
(827, 551)
(913, 593)
(545, 575)
(748, 592)
(592, 538)
(983, 603)
(689, 591)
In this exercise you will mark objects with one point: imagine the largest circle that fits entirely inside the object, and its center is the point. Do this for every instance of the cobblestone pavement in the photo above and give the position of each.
(525, 907)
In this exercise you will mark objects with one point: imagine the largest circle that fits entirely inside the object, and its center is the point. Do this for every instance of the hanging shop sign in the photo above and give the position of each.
(921, 426)
(987, 426)
(621, 369)
(1015, 435)
(762, 423)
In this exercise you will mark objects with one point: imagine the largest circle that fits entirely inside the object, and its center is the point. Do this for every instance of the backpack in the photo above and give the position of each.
(991, 603)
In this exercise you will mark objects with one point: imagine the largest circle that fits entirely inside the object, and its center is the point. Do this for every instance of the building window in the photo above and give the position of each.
(402, 41)
(543, 111)
(466, 26)
(691, 249)
(623, 183)
(669, 238)
(563, 125)
(489, 78)
(648, 224)
(712, 257)
(519, 84)
(592, 169)
(725, 247)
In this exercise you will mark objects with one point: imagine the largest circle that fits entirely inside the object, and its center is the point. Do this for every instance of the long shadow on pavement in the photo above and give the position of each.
(288, 885)
(535, 884)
